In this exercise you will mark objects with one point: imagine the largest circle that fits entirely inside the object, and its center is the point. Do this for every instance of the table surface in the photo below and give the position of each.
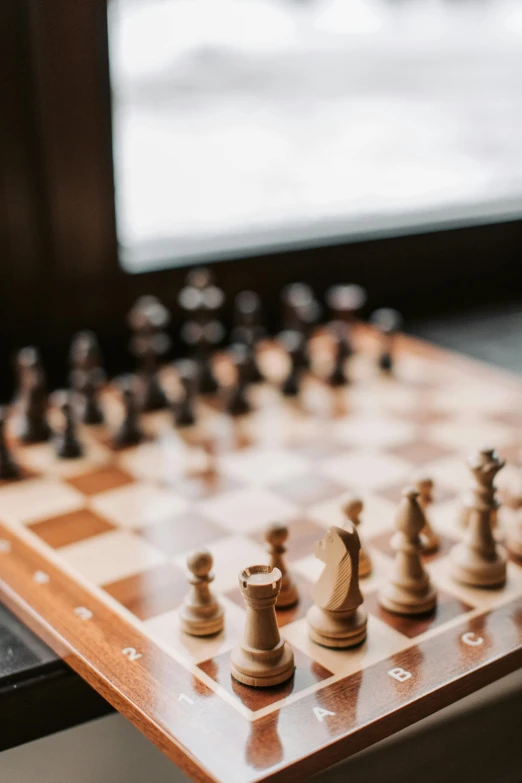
(33, 679)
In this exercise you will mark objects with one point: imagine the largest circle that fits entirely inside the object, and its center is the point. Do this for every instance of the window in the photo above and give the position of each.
(248, 125)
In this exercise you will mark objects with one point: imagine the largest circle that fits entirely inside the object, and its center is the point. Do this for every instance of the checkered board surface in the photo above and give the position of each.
(93, 551)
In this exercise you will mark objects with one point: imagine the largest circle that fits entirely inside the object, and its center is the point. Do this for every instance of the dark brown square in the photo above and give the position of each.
(308, 489)
(70, 528)
(182, 533)
(446, 609)
(302, 537)
(420, 452)
(292, 613)
(382, 542)
(151, 592)
(307, 673)
(100, 480)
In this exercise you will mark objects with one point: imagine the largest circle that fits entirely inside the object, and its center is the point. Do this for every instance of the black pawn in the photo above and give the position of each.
(87, 376)
(338, 376)
(8, 467)
(91, 410)
(184, 414)
(67, 445)
(237, 403)
(294, 343)
(253, 373)
(388, 322)
(148, 319)
(34, 427)
(130, 432)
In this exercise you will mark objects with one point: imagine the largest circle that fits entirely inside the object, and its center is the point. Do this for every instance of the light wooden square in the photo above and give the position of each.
(136, 505)
(111, 556)
(450, 471)
(246, 510)
(468, 432)
(483, 398)
(381, 642)
(193, 649)
(262, 466)
(366, 470)
(39, 498)
(482, 598)
(41, 458)
(163, 460)
(374, 431)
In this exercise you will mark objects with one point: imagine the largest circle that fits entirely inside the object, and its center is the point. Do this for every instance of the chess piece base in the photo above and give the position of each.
(471, 569)
(337, 629)
(399, 601)
(199, 621)
(262, 668)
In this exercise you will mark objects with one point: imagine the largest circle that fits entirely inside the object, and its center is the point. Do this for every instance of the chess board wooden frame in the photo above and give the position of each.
(52, 569)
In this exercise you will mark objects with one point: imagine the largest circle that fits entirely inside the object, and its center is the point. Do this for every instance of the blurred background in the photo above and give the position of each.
(370, 141)
(248, 124)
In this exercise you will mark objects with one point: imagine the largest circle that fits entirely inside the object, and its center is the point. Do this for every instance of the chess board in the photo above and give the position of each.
(93, 551)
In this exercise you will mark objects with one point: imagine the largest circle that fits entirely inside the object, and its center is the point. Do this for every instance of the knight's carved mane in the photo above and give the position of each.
(334, 590)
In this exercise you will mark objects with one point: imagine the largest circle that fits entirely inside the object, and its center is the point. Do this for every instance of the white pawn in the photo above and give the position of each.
(336, 618)
(201, 613)
(429, 538)
(409, 590)
(353, 509)
(275, 537)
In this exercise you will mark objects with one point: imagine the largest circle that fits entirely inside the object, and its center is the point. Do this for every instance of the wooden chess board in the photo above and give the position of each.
(92, 556)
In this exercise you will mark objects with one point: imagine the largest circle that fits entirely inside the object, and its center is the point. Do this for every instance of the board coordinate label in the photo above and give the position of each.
(399, 674)
(471, 639)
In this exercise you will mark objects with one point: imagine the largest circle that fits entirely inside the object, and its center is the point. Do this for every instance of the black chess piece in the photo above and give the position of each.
(8, 467)
(237, 403)
(293, 342)
(345, 302)
(388, 321)
(337, 376)
(202, 300)
(33, 426)
(148, 319)
(87, 376)
(85, 352)
(248, 316)
(184, 413)
(87, 383)
(129, 432)
(67, 444)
